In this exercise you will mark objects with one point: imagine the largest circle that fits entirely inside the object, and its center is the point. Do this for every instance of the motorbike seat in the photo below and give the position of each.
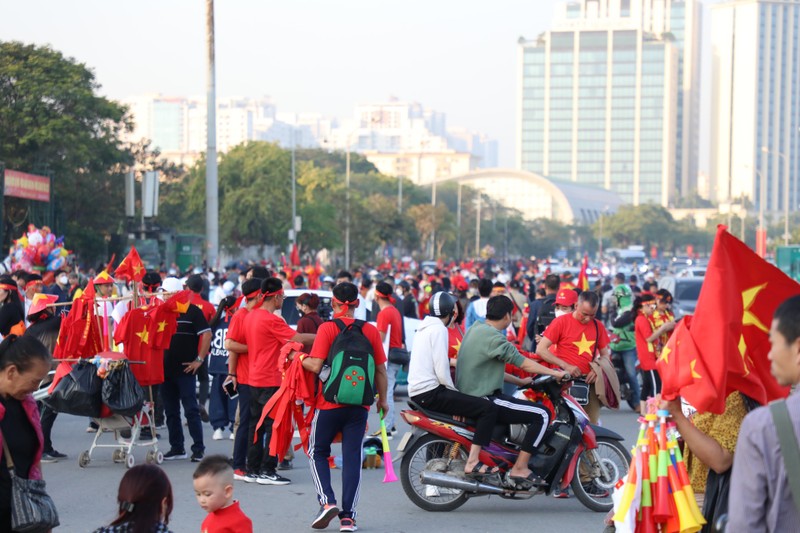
(499, 433)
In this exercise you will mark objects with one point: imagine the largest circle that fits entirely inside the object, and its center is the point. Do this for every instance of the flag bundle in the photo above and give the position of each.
(583, 276)
(657, 496)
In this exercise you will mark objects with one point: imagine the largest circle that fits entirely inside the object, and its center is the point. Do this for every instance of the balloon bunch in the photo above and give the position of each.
(38, 249)
(657, 496)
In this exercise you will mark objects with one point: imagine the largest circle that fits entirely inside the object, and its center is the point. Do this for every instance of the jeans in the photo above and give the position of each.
(48, 417)
(221, 409)
(241, 445)
(177, 391)
(203, 382)
(629, 360)
(351, 421)
(392, 369)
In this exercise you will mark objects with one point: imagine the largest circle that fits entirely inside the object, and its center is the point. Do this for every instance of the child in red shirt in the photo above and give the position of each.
(213, 487)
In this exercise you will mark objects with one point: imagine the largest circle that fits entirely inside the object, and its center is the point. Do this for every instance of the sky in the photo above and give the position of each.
(456, 57)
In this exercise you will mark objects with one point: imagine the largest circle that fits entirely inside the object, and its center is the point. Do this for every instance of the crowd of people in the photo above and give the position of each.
(484, 331)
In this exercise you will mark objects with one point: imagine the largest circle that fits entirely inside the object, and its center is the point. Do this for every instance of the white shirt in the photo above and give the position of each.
(429, 366)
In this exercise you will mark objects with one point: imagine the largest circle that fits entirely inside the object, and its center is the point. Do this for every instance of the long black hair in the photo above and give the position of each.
(224, 305)
(13, 294)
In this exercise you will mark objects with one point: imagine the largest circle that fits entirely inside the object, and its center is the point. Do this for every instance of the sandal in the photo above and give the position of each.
(478, 472)
(531, 480)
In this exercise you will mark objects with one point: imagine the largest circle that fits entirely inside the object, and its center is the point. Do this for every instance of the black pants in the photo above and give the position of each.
(258, 457)
(514, 411)
(651, 384)
(452, 402)
(204, 382)
(48, 418)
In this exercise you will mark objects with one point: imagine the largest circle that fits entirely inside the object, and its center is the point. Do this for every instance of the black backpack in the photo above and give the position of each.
(352, 367)
(547, 313)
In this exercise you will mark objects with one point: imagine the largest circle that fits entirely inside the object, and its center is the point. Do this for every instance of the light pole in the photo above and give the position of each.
(433, 218)
(212, 185)
(478, 226)
(766, 150)
(294, 189)
(458, 222)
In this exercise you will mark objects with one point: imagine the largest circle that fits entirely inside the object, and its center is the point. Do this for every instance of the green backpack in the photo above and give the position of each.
(352, 367)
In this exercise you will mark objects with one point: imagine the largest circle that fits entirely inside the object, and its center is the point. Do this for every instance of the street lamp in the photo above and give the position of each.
(762, 230)
(766, 150)
(294, 190)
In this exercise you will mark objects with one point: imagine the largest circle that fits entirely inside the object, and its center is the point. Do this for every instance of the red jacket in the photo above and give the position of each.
(29, 405)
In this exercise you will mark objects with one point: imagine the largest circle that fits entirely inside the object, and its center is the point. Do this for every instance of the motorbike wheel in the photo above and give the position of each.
(415, 460)
(597, 471)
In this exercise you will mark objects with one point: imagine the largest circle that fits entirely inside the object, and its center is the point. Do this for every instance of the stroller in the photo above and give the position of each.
(105, 389)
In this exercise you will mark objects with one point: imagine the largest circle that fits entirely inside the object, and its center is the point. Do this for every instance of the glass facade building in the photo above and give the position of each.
(607, 98)
(755, 123)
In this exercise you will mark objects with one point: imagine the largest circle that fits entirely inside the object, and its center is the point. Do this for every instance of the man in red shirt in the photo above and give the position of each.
(390, 322)
(579, 338)
(239, 373)
(265, 334)
(331, 419)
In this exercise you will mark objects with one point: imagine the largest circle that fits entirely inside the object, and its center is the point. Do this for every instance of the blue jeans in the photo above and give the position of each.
(392, 369)
(629, 359)
(351, 421)
(221, 409)
(177, 391)
(240, 443)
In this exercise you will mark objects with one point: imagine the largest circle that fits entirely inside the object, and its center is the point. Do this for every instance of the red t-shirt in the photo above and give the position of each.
(236, 333)
(205, 306)
(326, 334)
(645, 350)
(575, 342)
(230, 519)
(265, 334)
(390, 316)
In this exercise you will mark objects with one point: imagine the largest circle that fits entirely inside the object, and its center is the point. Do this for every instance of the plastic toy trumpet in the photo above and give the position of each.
(388, 467)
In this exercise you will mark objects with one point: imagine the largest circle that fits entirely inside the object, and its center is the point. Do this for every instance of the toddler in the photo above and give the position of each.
(213, 487)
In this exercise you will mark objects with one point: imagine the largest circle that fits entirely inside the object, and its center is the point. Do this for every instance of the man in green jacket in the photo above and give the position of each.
(480, 371)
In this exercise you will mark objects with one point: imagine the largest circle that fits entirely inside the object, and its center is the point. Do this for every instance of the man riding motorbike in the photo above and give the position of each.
(482, 357)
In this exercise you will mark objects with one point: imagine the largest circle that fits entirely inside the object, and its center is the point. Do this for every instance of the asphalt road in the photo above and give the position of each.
(86, 497)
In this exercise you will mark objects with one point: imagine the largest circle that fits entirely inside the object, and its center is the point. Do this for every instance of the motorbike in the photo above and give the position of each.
(588, 458)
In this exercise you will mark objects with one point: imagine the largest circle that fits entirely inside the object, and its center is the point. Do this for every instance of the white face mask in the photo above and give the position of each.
(399, 292)
(561, 313)
(63, 280)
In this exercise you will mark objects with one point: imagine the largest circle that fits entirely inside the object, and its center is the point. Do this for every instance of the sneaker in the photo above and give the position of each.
(172, 455)
(272, 478)
(218, 434)
(285, 465)
(197, 457)
(91, 429)
(324, 517)
(561, 494)
(240, 475)
(250, 477)
(347, 524)
(232, 436)
(52, 456)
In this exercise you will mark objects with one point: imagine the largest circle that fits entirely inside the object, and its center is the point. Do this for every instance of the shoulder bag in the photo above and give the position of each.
(789, 449)
(32, 509)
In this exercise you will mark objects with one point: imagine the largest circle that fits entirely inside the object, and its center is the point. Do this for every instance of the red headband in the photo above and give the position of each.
(252, 294)
(389, 297)
(32, 283)
(266, 295)
(345, 306)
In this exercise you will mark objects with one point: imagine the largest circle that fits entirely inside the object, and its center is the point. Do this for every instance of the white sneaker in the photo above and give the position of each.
(232, 436)
(218, 434)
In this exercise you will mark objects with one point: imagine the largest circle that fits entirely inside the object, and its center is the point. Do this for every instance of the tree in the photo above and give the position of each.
(53, 122)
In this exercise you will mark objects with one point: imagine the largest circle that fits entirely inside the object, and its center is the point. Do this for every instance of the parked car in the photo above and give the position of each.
(691, 272)
(685, 292)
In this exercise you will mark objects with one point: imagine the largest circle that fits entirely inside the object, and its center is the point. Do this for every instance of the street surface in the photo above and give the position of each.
(86, 497)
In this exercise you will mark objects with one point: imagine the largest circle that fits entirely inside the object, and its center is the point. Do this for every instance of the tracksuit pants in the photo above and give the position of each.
(514, 411)
(351, 421)
(452, 402)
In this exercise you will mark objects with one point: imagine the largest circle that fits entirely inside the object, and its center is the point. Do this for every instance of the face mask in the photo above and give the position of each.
(561, 313)
(472, 292)
(399, 292)
(63, 280)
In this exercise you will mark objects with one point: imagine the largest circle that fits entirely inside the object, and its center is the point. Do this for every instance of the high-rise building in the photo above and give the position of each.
(755, 122)
(609, 97)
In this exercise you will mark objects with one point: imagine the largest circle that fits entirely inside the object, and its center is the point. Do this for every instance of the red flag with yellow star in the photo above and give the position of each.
(131, 267)
(583, 277)
(164, 319)
(726, 342)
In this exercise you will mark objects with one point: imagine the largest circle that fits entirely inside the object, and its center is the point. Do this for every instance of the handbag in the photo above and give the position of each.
(32, 509)
(580, 391)
(399, 356)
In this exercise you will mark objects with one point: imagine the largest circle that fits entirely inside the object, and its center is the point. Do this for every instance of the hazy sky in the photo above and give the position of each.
(457, 57)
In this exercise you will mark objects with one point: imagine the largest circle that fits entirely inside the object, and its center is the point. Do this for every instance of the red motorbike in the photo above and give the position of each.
(574, 452)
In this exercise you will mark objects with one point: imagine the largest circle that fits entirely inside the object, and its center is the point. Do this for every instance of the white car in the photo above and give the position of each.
(691, 272)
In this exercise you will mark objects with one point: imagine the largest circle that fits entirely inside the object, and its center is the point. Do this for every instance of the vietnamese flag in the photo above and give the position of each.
(131, 267)
(724, 346)
(294, 256)
(583, 278)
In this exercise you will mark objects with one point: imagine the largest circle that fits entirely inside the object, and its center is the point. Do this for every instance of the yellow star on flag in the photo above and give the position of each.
(665, 354)
(748, 299)
(694, 373)
(584, 345)
(144, 335)
(162, 326)
(457, 346)
(137, 269)
(182, 307)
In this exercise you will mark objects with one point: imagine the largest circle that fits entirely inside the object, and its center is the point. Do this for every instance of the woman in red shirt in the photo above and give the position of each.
(646, 346)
